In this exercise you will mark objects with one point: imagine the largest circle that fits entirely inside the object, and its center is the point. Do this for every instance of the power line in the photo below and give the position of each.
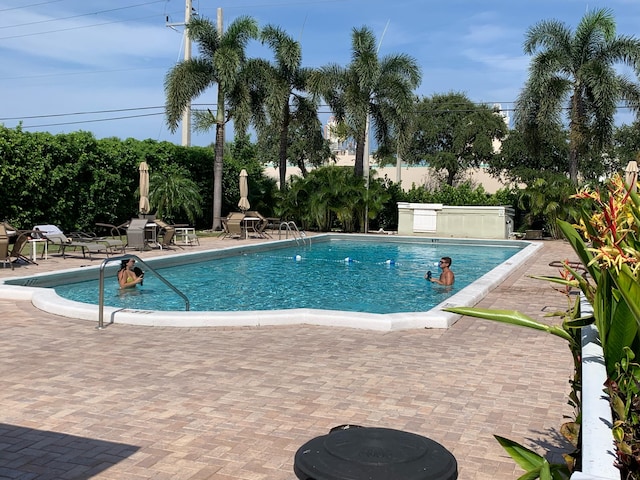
(213, 105)
(204, 105)
(81, 15)
(82, 113)
(30, 5)
(75, 28)
(124, 20)
(92, 121)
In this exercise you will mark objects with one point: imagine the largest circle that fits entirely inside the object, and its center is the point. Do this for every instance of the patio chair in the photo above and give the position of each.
(167, 232)
(10, 231)
(260, 228)
(63, 242)
(233, 225)
(16, 251)
(192, 239)
(136, 237)
(4, 247)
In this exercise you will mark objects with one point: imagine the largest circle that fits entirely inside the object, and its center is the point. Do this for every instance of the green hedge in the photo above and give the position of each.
(75, 180)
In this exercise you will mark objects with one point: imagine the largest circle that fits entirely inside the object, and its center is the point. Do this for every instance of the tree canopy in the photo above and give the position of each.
(573, 81)
(220, 63)
(370, 92)
(452, 134)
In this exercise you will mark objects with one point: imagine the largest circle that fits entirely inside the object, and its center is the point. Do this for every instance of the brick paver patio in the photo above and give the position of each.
(236, 403)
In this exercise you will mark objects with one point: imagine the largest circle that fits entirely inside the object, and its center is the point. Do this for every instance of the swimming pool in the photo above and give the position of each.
(337, 274)
(261, 300)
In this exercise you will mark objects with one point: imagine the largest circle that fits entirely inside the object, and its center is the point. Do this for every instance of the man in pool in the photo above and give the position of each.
(127, 276)
(446, 277)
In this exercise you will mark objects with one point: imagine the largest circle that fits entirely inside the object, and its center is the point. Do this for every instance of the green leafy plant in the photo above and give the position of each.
(535, 465)
(607, 241)
(623, 390)
(173, 192)
(332, 197)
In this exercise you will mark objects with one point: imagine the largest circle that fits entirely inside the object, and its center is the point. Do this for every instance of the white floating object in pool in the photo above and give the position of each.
(390, 262)
(297, 258)
(348, 260)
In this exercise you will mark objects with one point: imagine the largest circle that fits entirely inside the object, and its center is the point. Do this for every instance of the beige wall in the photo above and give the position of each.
(409, 175)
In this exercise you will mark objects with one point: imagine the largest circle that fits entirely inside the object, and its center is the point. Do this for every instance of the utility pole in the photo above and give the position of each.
(186, 115)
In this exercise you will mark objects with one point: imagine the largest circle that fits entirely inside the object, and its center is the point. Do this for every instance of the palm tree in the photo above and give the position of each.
(221, 61)
(379, 89)
(172, 191)
(281, 85)
(576, 72)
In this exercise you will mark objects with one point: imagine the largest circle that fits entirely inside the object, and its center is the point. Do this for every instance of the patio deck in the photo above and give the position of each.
(133, 402)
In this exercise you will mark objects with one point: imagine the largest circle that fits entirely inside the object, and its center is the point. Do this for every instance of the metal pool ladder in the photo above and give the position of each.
(291, 227)
(148, 267)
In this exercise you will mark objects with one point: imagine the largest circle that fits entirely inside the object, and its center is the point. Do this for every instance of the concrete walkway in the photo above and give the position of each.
(236, 403)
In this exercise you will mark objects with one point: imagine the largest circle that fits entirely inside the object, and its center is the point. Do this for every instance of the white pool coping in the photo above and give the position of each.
(47, 300)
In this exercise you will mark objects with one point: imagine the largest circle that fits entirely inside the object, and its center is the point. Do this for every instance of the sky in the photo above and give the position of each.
(100, 65)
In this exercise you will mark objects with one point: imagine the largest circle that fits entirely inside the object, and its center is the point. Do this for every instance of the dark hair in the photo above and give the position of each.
(448, 260)
(123, 264)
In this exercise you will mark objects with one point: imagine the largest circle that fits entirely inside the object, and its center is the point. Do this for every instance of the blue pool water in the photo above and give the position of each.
(377, 278)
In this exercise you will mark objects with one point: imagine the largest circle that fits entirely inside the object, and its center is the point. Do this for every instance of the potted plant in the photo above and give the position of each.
(606, 238)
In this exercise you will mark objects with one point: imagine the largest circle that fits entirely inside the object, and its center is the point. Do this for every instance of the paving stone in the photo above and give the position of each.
(133, 402)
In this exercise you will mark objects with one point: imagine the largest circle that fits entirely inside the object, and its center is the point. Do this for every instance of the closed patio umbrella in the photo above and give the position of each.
(631, 175)
(144, 187)
(243, 204)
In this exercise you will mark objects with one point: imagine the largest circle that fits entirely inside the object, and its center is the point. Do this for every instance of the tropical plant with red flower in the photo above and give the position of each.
(606, 238)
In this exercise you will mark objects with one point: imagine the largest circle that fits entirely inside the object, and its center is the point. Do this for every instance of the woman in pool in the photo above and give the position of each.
(127, 275)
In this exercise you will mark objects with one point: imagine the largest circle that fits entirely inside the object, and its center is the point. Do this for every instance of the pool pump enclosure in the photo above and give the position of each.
(494, 222)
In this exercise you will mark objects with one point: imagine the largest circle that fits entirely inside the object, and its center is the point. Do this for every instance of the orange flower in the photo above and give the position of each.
(614, 232)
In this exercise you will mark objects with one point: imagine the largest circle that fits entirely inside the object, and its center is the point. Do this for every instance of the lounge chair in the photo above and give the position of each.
(233, 225)
(114, 245)
(4, 247)
(84, 237)
(114, 231)
(44, 229)
(63, 242)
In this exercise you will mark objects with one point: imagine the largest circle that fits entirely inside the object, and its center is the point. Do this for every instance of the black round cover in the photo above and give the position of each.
(374, 454)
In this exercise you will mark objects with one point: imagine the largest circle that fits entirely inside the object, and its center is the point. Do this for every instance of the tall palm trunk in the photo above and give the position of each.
(576, 134)
(284, 140)
(358, 168)
(217, 177)
(218, 162)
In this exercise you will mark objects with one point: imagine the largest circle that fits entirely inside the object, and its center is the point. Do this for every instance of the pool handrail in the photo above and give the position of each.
(293, 228)
(138, 259)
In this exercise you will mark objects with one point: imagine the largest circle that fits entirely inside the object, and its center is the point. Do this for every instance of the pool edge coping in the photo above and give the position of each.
(47, 300)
